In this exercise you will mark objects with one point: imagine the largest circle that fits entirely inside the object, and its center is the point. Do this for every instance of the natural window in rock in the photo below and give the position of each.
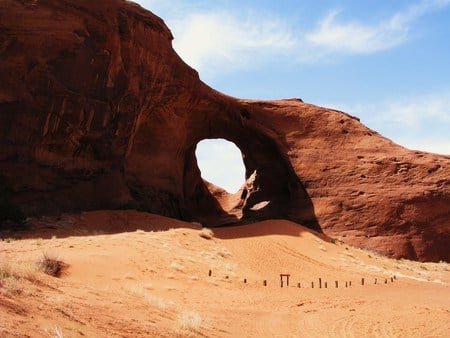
(220, 163)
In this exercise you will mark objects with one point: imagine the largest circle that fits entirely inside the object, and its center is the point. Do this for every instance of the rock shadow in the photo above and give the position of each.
(272, 189)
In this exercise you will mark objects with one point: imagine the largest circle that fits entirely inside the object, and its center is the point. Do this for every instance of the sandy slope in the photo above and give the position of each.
(139, 275)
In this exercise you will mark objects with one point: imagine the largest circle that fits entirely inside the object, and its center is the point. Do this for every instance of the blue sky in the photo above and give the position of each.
(386, 62)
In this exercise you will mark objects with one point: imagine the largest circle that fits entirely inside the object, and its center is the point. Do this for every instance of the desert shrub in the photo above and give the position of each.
(52, 266)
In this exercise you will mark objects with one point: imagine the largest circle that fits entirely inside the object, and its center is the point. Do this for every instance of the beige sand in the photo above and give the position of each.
(142, 275)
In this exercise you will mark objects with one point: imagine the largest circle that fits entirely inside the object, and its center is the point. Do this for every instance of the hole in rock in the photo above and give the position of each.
(220, 163)
(249, 160)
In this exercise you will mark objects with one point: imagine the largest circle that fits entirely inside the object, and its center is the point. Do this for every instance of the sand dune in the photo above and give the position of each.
(137, 275)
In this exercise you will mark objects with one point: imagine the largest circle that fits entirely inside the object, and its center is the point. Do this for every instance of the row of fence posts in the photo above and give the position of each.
(286, 276)
(325, 284)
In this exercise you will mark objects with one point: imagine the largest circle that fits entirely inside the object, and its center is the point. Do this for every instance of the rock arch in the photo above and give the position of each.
(101, 112)
(272, 188)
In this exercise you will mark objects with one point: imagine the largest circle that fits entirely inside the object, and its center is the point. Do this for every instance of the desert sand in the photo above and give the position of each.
(134, 274)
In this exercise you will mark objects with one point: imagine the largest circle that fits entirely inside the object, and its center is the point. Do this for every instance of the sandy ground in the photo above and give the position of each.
(140, 275)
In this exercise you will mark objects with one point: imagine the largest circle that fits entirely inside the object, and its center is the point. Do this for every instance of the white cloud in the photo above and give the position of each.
(362, 38)
(218, 41)
(355, 37)
(215, 41)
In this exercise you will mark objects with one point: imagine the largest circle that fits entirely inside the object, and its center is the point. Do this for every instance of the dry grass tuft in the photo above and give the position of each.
(18, 269)
(142, 292)
(52, 266)
(206, 233)
(9, 284)
(189, 321)
(177, 266)
(13, 272)
(58, 332)
(5, 271)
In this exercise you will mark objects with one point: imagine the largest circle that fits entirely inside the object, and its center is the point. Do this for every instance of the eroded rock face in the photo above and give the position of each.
(98, 111)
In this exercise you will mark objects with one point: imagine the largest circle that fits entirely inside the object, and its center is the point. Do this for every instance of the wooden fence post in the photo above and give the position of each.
(282, 275)
(362, 281)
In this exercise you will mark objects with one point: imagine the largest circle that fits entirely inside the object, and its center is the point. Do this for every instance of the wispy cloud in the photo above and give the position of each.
(217, 41)
(357, 37)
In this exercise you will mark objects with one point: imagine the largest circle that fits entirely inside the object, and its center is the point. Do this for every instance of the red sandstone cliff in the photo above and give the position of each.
(98, 111)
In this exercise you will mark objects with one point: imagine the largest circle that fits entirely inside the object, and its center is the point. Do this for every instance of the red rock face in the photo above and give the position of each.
(98, 111)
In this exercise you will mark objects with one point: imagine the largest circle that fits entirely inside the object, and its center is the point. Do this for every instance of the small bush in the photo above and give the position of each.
(52, 266)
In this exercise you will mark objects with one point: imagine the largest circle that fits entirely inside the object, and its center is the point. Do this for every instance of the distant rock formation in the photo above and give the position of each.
(97, 111)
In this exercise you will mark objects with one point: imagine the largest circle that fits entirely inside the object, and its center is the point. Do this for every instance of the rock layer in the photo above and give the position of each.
(97, 111)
